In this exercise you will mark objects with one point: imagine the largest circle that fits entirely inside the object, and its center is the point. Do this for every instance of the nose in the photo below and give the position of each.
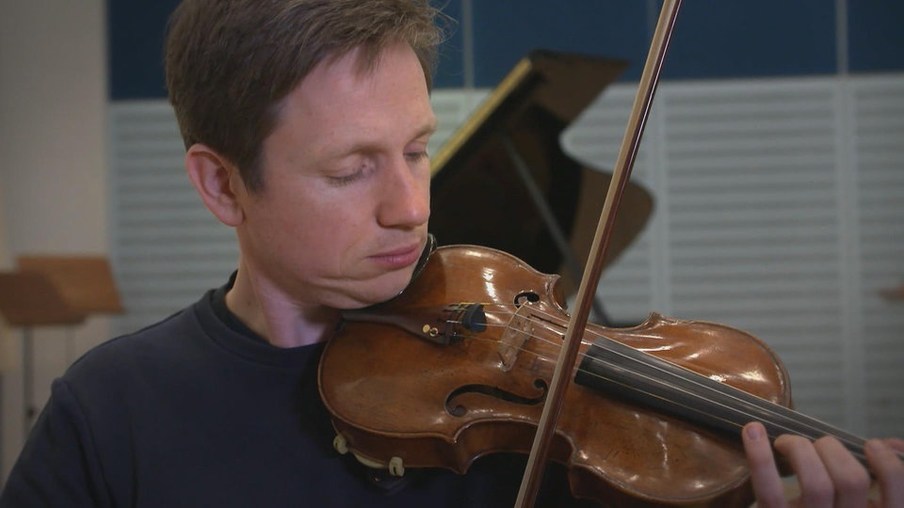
(405, 195)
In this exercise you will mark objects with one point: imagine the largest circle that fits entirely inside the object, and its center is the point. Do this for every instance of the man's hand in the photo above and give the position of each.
(828, 474)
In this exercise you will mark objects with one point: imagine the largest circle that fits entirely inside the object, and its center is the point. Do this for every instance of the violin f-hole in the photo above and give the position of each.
(457, 409)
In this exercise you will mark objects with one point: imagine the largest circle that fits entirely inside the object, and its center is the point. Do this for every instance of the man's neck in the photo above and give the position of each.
(270, 313)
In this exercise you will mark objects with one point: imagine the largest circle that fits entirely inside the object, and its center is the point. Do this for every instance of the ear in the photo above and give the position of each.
(218, 183)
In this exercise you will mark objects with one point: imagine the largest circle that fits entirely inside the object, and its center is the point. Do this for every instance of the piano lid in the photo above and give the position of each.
(563, 84)
(478, 196)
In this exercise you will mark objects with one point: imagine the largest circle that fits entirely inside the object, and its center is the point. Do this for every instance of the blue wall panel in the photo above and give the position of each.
(876, 35)
(136, 29)
(505, 31)
(740, 38)
(713, 38)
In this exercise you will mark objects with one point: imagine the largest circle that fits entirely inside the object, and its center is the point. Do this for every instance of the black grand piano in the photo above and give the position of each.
(502, 179)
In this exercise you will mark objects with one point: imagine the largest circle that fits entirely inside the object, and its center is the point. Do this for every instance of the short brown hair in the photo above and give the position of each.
(229, 63)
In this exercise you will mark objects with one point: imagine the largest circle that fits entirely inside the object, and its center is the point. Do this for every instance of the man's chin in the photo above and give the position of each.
(374, 292)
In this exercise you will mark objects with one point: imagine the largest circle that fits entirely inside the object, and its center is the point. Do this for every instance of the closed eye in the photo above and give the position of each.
(348, 178)
(339, 181)
(417, 156)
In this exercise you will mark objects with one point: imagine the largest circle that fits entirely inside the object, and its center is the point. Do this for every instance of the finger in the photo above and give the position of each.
(816, 488)
(849, 477)
(889, 470)
(895, 444)
(767, 484)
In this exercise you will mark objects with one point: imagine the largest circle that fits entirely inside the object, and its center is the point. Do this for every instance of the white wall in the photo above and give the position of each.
(53, 167)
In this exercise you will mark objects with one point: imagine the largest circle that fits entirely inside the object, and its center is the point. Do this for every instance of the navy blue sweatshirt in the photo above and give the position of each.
(199, 411)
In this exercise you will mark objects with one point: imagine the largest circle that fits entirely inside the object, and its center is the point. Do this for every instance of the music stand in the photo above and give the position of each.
(81, 285)
(29, 299)
(85, 282)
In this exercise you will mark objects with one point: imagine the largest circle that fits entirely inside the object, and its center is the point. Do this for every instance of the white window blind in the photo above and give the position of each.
(167, 247)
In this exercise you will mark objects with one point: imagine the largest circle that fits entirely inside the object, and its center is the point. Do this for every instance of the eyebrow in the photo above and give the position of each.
(427, 130)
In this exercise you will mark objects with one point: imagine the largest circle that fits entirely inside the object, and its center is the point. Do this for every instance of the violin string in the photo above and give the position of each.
(774, 411)
(688, 376)
(815, 432)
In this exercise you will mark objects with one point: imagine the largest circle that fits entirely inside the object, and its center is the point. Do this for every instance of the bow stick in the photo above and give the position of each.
(627, 153)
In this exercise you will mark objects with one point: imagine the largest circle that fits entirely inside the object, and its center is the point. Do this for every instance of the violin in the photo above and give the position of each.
(459, 365)
(478, 356)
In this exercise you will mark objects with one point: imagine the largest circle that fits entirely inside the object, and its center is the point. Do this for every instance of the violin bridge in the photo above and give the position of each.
(516, 333)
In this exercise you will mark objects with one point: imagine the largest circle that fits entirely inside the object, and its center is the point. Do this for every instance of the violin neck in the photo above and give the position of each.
(628, 373)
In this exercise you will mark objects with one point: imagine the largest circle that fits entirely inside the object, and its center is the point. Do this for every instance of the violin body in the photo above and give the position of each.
(393, 394)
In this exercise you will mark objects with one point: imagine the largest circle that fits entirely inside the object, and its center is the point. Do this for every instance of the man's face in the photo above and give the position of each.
(342, 216)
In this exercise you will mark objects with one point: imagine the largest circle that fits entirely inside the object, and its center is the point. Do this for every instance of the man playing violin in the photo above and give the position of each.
(306, 124)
